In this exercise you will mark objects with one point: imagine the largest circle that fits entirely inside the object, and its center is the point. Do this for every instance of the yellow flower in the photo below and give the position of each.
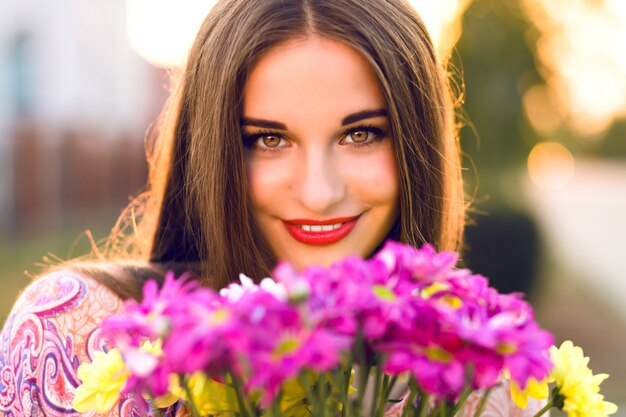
(208, 395)
(535, 389)
(293, 401)
(174, 394)
(578, 389)
(103, 380)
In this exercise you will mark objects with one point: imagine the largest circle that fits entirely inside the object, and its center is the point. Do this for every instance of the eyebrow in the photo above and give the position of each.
(269, 124)
(351, 118)
(366, 114)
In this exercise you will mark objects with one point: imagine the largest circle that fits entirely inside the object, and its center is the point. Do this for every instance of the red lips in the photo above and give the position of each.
(320, 237)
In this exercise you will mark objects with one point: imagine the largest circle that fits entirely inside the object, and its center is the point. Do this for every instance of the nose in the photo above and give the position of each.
(318, 182)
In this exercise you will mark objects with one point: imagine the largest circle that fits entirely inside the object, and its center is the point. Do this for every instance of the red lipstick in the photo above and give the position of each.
(308, 230)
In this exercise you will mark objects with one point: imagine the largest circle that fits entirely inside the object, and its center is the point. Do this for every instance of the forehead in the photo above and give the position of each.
(313, 76)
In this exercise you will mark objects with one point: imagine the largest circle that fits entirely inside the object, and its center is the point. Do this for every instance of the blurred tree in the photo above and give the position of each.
(497, 65)
(494, 59)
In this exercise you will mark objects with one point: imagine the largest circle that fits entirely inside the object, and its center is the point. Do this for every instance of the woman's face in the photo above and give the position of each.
(321, 169)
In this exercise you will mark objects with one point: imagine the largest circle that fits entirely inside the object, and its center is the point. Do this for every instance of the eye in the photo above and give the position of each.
(362, 135)
(266, 141)
(359, 136)
(270, 141)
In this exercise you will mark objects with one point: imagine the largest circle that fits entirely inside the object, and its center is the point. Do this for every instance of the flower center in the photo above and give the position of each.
(437, 354)
(285, 347)
(384, 293)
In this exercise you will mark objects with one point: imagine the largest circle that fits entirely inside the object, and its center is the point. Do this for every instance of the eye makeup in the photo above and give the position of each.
(254, 141)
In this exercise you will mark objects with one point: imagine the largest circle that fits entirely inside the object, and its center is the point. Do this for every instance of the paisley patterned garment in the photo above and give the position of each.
(53, 328)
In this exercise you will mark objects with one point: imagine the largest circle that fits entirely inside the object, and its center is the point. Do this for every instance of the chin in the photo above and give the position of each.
(323, 256)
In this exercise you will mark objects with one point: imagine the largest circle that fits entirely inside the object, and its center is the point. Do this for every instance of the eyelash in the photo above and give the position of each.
(250, 140)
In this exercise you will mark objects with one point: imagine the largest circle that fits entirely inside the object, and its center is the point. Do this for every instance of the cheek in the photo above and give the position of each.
(267, 181)
(374, 178)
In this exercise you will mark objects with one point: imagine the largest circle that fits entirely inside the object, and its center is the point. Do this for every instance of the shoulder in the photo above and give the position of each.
(500, 404)
(52, 329)
(64, 303)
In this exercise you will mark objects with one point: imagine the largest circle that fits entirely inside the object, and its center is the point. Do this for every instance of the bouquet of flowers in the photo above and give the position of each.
(290, 345)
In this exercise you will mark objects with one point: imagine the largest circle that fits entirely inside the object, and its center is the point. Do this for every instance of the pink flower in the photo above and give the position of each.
(273, 343)
(190, 321)
(412, 307)
(152, 317)
(461, 324)
(422, 264)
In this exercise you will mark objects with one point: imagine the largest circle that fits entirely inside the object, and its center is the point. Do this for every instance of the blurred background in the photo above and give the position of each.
(543, 84)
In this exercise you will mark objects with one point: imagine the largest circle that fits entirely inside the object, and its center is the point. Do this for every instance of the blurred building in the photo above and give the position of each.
(75, 103)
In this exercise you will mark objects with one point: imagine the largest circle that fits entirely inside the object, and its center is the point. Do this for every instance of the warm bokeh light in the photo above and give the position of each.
(542, 109)
(443, 20)
(161, 31)
(550, 165)
(581, 51)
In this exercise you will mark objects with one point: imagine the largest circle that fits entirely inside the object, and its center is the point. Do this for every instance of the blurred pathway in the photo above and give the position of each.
(582, 295)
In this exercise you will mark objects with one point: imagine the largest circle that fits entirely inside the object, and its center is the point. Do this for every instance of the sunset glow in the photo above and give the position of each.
(443, 20)
(580, 49)
(161, 31)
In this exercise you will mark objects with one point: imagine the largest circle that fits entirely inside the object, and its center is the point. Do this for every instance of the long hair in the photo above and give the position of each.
(198, 212)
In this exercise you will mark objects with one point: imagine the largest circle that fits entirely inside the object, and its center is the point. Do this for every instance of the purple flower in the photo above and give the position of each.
(460, 324)
(198, 340)
(274, 344)
(191, 322)
(422, 264)
(412, 307)
(150, 319)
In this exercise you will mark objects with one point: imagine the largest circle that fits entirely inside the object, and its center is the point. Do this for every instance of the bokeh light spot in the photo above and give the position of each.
(550, 165)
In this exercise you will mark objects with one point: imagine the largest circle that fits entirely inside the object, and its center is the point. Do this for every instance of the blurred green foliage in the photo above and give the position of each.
(497, 65)
(613, 144)
(23, 258)
(495, 59)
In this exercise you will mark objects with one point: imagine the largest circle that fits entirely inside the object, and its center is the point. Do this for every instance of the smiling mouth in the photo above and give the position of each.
(320, 232)
(320, 228)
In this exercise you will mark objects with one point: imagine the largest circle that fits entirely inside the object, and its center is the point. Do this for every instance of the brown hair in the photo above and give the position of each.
(197, 210)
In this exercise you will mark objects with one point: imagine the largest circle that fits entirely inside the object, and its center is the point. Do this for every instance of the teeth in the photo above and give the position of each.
(320, 228)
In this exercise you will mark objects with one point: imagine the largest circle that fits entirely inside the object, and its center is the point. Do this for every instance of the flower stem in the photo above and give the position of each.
(377, 395)
(364, 372)
(312, 399)
(443, 409)
(461, 401)
(423, 404)
(383, 396)
(346, 387)
(390, 386)
(482, 403)
(241, 400)
(409, 402)
(547, 407)
(275, 408)
(322, 393)
(190, 403)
